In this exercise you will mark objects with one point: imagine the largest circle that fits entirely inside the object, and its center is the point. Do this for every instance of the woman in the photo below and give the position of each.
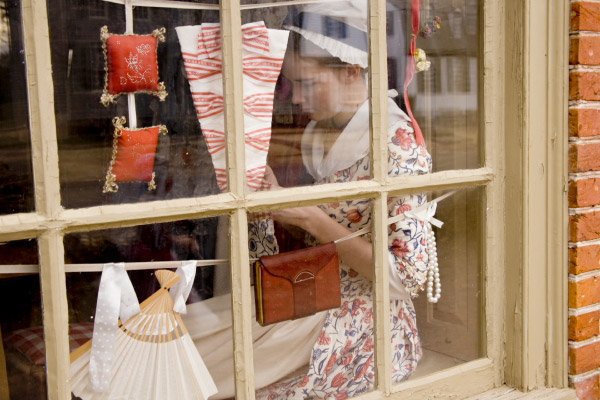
(328, 73)
(330, 85)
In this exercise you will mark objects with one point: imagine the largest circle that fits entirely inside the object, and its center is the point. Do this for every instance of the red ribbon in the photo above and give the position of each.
(411, 68)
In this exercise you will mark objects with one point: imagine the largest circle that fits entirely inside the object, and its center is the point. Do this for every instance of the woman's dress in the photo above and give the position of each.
(342, 359)
(337, 345)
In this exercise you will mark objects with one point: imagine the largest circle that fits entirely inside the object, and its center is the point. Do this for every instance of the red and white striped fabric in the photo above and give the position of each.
(262, 56)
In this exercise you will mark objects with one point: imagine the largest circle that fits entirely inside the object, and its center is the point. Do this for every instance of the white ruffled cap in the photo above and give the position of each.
(351, 12)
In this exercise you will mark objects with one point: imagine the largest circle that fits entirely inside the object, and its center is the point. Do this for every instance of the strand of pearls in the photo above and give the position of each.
(433, 270)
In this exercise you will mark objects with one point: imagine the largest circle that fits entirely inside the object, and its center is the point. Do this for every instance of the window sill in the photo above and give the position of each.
(507, 393)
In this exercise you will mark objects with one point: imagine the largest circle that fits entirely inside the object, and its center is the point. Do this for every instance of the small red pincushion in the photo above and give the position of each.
(134, 152)
(131, 65)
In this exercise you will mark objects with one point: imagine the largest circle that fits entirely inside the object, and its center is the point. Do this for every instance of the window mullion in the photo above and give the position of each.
(378, 83)
(382, 294)
(54, 289)
(234, 126)
(47, 195)
(233, 87)
(41, 108)
(241, 306)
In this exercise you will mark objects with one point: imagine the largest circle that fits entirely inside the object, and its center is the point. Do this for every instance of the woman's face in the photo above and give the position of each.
(317, 88)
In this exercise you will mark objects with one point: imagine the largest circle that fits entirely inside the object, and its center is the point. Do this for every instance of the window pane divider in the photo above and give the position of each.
(55, 315)
(120, 215)
(378, 82)
(21, 226)
(42, 121)
(47, 195)
(243, 352)
(233, 88)
(381, 295)
(188, 5)
(492, 95)
(28, 225)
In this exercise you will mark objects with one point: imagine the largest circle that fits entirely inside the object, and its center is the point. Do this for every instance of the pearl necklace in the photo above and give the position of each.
(433, 270)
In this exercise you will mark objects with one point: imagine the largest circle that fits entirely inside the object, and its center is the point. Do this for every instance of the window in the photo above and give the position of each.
(207, 207)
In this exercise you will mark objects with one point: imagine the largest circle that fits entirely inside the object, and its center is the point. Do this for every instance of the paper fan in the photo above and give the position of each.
(153, 356)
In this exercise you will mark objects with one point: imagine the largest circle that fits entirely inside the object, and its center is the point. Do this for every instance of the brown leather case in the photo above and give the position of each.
(296, 284)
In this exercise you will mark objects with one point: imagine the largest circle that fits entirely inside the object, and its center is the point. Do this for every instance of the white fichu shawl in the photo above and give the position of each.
(263, 51)
(352, 144)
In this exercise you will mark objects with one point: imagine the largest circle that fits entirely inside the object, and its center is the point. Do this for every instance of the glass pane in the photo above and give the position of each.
(23, 354)
(315, 123)
(450, 330)
(444, 93)
(313, 329)
(208, 311)
(16, 176)
(148, 164)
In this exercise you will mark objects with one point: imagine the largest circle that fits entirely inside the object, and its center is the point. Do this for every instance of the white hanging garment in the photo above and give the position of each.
(150, 356)
(262, 56)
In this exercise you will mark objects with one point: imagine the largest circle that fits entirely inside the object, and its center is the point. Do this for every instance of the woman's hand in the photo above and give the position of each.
(302, 217)
(356, 253)
(270, 180)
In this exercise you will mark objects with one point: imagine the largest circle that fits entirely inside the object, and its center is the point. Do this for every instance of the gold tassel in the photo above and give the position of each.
(162, 91)
(110, 186)
(152, 183)
(159, 34)
(104, 35)
(110, 182)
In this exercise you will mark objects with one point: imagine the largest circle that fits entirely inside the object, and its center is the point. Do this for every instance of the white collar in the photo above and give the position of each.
(351, 145)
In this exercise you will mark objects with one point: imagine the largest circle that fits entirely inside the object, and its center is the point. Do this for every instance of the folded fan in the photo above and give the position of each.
(154, 356)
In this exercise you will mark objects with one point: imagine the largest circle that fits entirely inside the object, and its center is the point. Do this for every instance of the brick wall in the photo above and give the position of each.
(584, 199)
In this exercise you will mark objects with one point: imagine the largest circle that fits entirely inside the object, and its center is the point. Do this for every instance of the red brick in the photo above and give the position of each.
(584, 122)
(585, 326)
(585, 49)
(584, 85)
(584, 293)
(584, 359)
(584, 157)
(588, 389)
(585, 226)
(584, 192)
(584, 259)
(585, 16)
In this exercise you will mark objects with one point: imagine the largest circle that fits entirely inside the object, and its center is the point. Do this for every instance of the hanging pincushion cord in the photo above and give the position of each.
(417, 62)
(149, 356)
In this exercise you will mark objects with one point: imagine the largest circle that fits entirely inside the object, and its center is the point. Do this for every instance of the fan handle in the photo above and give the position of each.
(166, 278)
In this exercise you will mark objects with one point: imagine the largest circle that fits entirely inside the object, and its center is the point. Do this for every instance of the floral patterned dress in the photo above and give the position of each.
(342, 360)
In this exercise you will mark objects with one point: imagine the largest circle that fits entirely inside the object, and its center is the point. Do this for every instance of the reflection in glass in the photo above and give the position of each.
(320, 111)
(445, 96)
(182, 163)
(16, 176)
(450, 330)
(319, 349)
(23, 351)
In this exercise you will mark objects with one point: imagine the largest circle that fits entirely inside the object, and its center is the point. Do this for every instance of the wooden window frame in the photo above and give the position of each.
(524, 59)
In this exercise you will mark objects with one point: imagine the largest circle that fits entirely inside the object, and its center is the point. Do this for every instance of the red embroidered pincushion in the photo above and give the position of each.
(131, 64)
(134, 152)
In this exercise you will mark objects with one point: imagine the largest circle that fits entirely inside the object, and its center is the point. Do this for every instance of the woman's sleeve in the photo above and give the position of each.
(407, 245)
(407, 239)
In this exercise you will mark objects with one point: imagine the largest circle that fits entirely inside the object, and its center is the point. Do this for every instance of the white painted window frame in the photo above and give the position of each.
(523, 131)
